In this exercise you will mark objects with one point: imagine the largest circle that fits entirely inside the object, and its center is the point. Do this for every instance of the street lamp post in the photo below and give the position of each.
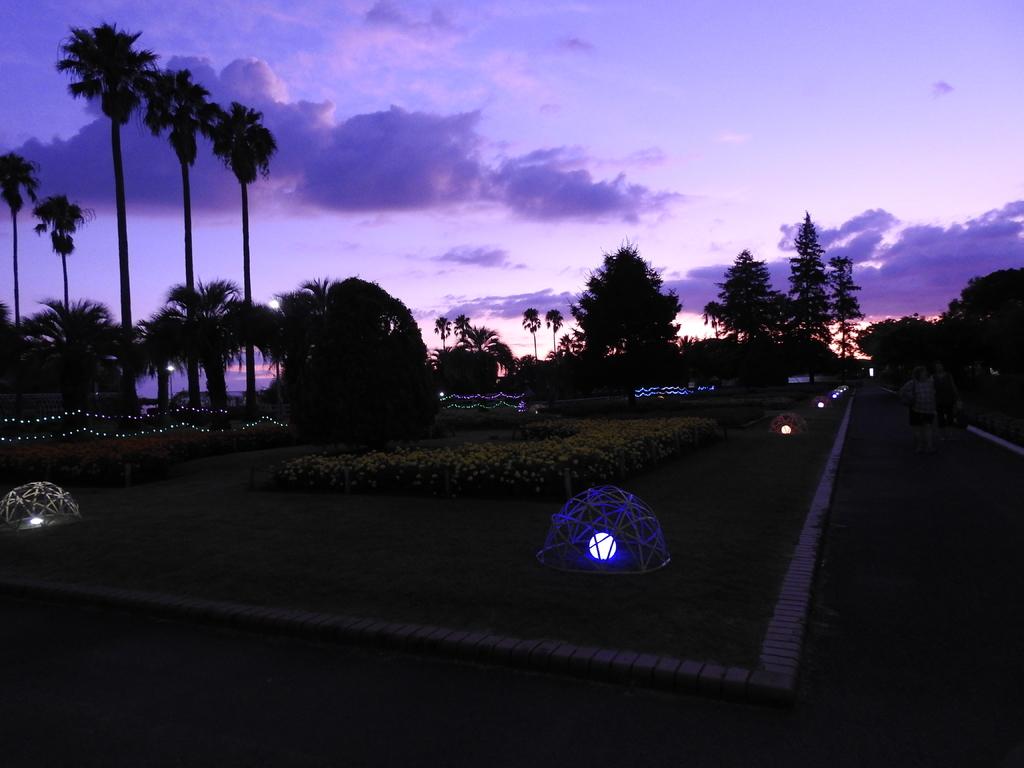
(275, 304)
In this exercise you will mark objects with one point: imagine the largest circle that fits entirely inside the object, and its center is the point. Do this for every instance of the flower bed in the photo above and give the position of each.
(102, 462)
(592, 451)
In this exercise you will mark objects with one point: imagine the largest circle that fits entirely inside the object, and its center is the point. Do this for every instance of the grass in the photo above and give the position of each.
(731, 513)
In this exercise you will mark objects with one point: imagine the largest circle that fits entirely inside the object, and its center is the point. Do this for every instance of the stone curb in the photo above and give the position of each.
(773, 683)
(778, 667)
(643, 670)
(996, 439)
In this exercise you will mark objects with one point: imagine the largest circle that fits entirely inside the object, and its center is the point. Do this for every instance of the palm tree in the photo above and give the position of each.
(16, 175)
(245, 146)
(77, 340)
(531, 322)
(108, 67)
(462, 328)
(302, 314)
(208, 317)
(487, 341)
(163, 343)
(61, 218)
(553, 320)
(181, 107)
(443, 327)
(7, 339)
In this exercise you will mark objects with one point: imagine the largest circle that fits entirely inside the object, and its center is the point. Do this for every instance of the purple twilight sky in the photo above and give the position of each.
(480, 157)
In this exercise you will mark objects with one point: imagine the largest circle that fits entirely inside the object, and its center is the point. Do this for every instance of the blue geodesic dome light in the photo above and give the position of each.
(605, 529)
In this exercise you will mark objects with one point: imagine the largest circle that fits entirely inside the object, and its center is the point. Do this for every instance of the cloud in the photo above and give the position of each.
(510, 307)
(393, 160)
(732, 137)
(464, 255)
(575, 45)
(540, 185)
(941, 88)
(387, 14)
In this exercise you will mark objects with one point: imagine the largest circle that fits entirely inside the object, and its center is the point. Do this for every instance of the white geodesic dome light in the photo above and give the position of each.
(37, 505)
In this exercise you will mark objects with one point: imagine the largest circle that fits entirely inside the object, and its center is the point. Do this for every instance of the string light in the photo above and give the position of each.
(89, 415)
(488, 402)
(126, 435)
(671, 391)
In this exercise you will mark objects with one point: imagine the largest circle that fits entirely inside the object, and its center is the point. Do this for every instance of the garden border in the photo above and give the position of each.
(773, 682)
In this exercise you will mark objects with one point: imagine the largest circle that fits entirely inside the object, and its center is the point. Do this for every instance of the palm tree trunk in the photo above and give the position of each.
(250, 354)
(129, 398)
(64, 267)
(191, 364)
(17, 318)
(554, 342)
(534, 345)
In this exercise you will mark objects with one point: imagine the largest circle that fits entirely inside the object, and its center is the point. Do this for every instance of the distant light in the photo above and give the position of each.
(35, 521)
(170, 369)
(602, 546)
(786, 429)
(871, 371)
(821, 404)
(274, 304)
(440, 394)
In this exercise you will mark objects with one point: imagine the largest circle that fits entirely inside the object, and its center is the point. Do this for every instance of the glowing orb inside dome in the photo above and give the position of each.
(786, 429)
(35, 521)
(602, 546)
(605, 529)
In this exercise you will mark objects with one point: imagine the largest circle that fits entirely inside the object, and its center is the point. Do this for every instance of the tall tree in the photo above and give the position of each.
(17, 175)
(443, 327)
(77, 341)
(182, 108)
(531, 322)
(208, 317)
(808, 296)
(553, 320)
(845, 306)
(245, 145)
(462, 328)
(487, 341)
(107, 66)
(61, 218)
(747, 306)
(163, 345)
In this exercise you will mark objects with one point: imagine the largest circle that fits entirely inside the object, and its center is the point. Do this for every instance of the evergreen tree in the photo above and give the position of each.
(845, 307)
(809, 311)
(747, 306)
(628, 324)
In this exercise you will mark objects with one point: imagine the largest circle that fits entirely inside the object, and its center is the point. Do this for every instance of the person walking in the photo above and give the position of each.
(919, 395)
(947, 400)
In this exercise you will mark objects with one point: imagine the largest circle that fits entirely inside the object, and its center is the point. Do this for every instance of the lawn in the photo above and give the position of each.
(731, 512)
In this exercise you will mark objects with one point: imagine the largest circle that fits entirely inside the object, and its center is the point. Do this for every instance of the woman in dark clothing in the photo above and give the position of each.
(947, 399)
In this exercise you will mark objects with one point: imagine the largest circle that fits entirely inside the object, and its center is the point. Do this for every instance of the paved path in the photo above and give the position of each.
(915, 658)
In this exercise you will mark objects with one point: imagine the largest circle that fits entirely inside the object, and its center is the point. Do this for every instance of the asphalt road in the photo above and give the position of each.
(914, 659)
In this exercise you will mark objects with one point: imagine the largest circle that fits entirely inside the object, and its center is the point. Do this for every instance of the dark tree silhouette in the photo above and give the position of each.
(531, 322)
(245, 145)
(209, 320)
(553, 319)
(461, 328)
(108, 67)
(182, 108)
(624, 317)
(163, 344)
(808, 298)
(845, 307)
(76, 341)
(747, 307)
(17, 175)
(443, 327)
(61, 218)
(366, 379)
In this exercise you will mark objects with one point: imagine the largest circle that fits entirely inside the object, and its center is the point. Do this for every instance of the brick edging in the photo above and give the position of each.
(782, 649)
(666, 673)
